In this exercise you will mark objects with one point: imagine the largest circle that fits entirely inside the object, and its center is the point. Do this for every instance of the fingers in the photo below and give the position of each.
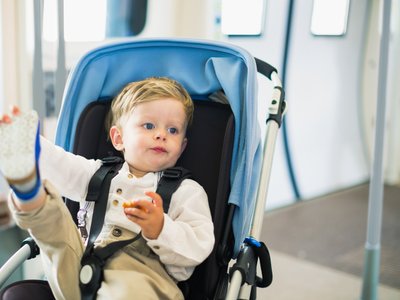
(136, 213)
(148, 215)
(139, 209)
(6, 118)
(157, 200)
(143, 209)
(138, 204)
(15, 110)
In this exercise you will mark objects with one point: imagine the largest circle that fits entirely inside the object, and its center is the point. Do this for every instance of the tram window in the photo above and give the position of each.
(329, 17)
(95, 20)
(77, 27)
(240, 17)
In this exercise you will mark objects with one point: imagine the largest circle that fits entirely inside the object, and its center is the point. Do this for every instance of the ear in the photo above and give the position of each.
(116, 138)
(184, 144)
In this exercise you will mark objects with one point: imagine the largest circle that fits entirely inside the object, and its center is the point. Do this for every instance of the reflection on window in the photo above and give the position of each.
(329, 17)
(240, 17)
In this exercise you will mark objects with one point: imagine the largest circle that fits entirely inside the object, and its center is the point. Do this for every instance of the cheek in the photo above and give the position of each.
(133, 143)
(178, 149)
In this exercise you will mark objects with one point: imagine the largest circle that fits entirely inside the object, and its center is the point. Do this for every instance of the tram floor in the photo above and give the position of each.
(317, 246)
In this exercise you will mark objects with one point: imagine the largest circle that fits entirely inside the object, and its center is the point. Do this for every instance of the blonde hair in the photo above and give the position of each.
(150, 89)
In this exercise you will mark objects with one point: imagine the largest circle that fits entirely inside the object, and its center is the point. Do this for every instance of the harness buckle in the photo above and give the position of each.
(172, 173)
(112, 160)
(81, 216)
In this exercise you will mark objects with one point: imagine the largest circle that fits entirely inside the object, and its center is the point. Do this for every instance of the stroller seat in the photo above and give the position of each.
(208, 157)
(224, 144)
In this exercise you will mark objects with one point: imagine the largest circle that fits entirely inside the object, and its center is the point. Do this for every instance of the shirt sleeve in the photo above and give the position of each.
(187, 237)
(69, 173)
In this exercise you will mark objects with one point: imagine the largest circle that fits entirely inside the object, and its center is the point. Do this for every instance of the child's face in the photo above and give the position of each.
(152, 137)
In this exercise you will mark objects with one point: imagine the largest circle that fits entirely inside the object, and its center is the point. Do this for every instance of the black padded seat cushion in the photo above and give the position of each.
(207, 156)
(27, 289)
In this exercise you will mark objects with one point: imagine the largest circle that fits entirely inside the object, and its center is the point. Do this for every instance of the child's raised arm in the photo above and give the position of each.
(69, 173)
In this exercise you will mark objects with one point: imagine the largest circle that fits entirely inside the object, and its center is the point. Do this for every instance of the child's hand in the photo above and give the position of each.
(6, 119)
(148, 215)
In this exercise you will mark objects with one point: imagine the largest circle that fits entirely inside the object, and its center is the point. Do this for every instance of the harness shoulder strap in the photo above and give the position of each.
(170, 180)
(98, 189)
(96, 182)
(91, 274)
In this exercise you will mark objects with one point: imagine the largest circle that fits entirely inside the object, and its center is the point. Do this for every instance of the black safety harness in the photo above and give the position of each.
(94, 259)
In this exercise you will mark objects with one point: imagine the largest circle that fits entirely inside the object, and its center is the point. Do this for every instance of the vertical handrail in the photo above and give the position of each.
(375, 203)
(39, 103)
(61, 72)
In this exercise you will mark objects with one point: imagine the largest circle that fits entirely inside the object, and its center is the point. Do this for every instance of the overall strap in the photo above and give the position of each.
(170, 180)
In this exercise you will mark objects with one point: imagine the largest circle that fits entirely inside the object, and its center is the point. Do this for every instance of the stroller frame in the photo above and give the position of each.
(242, 283)
(243, 279)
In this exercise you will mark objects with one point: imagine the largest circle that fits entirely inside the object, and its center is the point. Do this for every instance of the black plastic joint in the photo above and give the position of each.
(278, 113)
(245, 259)
(35, 250)
(242, 269)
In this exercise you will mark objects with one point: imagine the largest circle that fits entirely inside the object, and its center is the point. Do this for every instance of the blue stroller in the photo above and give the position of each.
(224, 154)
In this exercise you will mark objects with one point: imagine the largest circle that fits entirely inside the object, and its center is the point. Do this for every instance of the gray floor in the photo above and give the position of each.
(326, 236)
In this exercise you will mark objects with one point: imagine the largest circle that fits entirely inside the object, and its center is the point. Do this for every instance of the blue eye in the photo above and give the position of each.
(148, 126)
(173, 130)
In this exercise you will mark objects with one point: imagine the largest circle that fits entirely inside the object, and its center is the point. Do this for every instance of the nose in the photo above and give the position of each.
(160, 135)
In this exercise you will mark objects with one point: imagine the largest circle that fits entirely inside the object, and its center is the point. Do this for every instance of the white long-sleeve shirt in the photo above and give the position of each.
(187, 236)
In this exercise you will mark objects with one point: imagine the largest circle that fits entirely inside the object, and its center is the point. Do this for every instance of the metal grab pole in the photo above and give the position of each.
(372, 245)
(39, 103)
(61, 72)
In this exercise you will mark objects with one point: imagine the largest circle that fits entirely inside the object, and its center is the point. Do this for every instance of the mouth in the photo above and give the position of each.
(159, 149)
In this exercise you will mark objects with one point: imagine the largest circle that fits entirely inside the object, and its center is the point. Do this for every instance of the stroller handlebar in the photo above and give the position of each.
(265, 68)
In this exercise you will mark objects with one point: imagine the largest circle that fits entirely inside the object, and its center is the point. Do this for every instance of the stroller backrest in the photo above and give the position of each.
(207, 156)
(203, 68)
